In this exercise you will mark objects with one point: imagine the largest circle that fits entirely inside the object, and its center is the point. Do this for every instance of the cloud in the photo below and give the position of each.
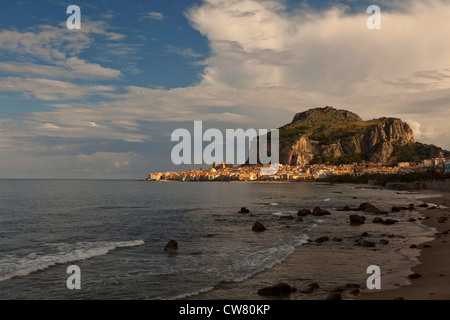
(153, 15)
(331, 51)
(187, 52)
(54, 50)
(48, 90)
(73, 68)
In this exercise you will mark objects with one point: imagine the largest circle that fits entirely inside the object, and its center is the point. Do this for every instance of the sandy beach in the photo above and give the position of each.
(434, 267)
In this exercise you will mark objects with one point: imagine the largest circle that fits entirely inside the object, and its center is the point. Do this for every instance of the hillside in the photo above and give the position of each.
(329, 135)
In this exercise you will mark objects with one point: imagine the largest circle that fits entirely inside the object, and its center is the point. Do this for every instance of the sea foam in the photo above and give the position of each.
(15, 265)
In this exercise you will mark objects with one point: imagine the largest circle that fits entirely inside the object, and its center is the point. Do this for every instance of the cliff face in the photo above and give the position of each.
(331, 135)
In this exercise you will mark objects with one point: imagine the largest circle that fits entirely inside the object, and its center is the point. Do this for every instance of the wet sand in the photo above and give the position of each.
(434, 267)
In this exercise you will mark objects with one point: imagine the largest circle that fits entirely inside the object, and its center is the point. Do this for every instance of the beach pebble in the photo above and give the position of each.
(349, 286)
(339, 289)
(321, 240)
(368, 207)
(171, 246)
(423, 205)
(336, 239)
(377, 220)
(307, 291)
(355, 292)
(314, 285)
(357, 219)
(368, 244)
(320, 212)
(311, 287)
(413, 246)
(258, 227)
(414, 275)
(244, 210)
(280, 289)
(389, 221)
(397, 209)
(384, 241)
(334, 296)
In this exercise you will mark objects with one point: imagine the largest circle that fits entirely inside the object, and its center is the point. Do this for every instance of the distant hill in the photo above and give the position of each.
(329, 135)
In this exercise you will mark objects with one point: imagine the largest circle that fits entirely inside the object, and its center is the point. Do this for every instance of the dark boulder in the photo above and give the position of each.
(349, 286)
(311, 287)
(280, 289)
(414, 275)
(357, 219)
(258, 227)
(355, 292)
(368, 207)
(321, 240)
(334, 296)
(171, 246)
(320, 212)
(368, 244)
(244, 210)
(303, 212)
(389, 221)
(377, 220)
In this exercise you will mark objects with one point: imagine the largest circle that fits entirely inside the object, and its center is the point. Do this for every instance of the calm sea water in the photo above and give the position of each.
(115, 231)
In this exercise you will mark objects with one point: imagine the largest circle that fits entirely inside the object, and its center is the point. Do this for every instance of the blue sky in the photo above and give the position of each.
(101, 102)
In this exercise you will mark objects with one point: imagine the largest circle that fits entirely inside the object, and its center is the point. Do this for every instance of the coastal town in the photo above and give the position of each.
(226, 171)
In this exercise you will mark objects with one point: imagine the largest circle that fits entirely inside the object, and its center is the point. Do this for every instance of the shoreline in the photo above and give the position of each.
(434, 259)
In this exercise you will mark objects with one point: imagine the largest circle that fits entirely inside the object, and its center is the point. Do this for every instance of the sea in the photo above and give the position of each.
(115, 231)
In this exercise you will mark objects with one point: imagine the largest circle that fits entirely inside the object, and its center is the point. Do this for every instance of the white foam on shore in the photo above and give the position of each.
(14, 265)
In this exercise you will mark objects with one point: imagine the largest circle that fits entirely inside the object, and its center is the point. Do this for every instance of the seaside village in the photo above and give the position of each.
(226, 171)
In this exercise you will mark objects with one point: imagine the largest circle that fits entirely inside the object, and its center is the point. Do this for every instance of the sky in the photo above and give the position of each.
(102, 102)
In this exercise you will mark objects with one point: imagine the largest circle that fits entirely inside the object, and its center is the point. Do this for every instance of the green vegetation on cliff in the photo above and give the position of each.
(333, 136)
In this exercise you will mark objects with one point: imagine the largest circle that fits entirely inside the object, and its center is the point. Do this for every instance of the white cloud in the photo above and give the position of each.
(332, 51)
(153, 15)
(185, 52)
(58, 47)
(48, 90)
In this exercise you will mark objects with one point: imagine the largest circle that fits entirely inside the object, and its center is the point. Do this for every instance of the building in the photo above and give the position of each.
(447, 167)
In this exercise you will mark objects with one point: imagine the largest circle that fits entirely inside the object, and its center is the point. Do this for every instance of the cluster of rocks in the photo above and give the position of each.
(365, 207)
(317, 211)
